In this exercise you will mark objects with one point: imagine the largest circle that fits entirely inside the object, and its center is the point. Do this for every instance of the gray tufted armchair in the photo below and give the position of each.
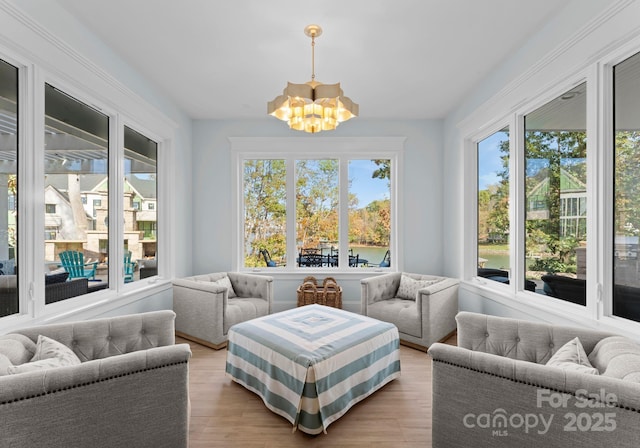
(425, 316)
(131, 388)
(206, 307)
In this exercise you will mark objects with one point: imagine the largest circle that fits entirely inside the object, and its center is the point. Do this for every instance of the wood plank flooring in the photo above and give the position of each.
(225, 414)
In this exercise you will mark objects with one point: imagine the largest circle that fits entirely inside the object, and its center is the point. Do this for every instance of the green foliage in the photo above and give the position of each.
(627, 187)
(317, 208)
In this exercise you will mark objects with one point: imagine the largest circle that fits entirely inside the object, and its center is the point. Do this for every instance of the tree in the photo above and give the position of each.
(317, 196)
(264, 209)
(498, 219)
(627, 187)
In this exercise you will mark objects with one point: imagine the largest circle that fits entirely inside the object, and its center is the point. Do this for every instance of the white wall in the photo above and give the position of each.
(420, 226)
(569, 42)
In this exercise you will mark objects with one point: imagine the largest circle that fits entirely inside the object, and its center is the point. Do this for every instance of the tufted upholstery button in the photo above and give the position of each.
(74, 342)
(108, 338)
(551, 345)
(517, 339)
(142, 331)
(486, 335)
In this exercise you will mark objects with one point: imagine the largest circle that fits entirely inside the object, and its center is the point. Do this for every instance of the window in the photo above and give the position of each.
(493, 207)
(76, 161)
(141, 159)
(9, 303)
(265, 225)
(369, 212)
(50, 209)
(556, 193)
(326, 210)
(626, 215)
(317, 212)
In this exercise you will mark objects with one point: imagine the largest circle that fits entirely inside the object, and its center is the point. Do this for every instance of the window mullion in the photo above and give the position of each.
(291, 211)
(116, 201)
(32, 175)
(343, 220)
(517, 207)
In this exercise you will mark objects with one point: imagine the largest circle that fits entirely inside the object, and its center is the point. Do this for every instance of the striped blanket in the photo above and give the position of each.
(311, 364)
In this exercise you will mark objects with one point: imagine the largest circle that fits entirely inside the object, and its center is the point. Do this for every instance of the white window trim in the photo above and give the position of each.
(597, 73)
(344, 148)
(51, 60)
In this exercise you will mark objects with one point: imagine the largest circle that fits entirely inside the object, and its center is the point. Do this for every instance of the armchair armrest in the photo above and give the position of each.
(136, 399)
(486, 367)
(210, 287)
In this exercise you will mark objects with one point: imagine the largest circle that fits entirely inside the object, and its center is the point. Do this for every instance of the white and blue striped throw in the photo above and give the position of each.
(311, 364)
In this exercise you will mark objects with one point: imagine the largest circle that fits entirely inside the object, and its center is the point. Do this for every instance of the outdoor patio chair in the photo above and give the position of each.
(386, 260)
(271, 263)
(129, 267)
(73, 262)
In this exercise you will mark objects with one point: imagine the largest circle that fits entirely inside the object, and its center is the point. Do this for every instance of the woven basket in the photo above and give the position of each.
(307, 292)
(329, 294)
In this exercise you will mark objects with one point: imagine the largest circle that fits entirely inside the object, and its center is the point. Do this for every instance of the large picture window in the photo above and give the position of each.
(334, 212)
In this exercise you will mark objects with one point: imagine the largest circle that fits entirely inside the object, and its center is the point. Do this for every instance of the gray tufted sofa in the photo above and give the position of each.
(421, 322)
(494, 389)
(131, 388)
(205, 312)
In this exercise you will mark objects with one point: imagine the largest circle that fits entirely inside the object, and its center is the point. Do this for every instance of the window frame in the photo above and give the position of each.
(32, 77)
(298, 148)
(598, 74)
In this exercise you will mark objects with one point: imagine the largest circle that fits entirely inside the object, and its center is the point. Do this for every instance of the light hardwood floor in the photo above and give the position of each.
(225, 414)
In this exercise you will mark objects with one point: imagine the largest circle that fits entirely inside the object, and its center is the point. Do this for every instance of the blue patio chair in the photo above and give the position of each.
(268, 260)
(129, 267)
(386, 260)
(73, 262)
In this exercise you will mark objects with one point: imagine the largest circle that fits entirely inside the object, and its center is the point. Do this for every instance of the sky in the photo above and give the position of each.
(489, 161)
(366, 188)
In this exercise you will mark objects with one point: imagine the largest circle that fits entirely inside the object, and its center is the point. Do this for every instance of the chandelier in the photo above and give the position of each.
(312, 106)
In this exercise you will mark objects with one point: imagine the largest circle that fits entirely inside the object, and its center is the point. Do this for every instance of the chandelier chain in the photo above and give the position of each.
(313, 57)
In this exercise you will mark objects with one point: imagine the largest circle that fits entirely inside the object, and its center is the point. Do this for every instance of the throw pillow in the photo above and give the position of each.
(17, 348)
(49, 354)
(571, 356)
(617, 357)
(226, 282)
(409, 287)
(4, 365)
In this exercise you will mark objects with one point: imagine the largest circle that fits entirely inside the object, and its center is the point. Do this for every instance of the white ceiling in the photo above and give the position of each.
(405, 59)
